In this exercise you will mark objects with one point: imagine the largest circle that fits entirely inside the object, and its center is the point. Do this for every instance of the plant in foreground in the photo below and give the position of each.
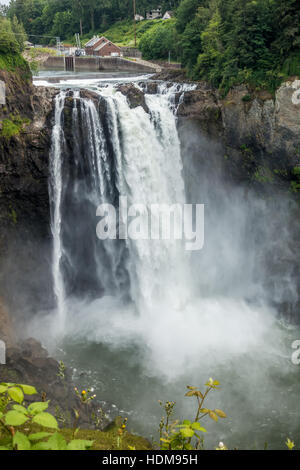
(16, 423)
(185, 435)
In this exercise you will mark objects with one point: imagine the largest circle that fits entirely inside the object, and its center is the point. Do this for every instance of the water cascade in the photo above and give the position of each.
(115, 151)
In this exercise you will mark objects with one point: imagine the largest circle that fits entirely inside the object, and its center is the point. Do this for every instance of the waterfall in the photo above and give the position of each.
(148, 176)
(112, 152)
(56, 190)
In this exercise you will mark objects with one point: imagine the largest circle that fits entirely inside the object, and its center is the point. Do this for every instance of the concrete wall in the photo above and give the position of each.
(94, 64)
(131, 52)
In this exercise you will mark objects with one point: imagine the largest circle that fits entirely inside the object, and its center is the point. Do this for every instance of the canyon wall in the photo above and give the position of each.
(25, 139)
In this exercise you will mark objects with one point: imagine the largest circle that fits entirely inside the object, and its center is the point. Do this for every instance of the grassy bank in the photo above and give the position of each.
(10, 62)
(102, 440)
(122, 32)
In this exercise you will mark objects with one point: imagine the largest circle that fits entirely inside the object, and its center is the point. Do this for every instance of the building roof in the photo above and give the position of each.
(94, 41)
(104, 44)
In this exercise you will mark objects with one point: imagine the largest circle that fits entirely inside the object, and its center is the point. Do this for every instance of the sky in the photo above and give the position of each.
(4, 2)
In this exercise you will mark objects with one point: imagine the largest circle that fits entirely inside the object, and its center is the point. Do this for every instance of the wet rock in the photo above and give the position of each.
(28, 363)
(202, 105)
(171, 75)
(135, 97)
(24, 199)
(149, 87)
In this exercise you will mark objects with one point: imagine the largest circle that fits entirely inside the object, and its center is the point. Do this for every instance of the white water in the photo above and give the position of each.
(165, 313)
(188, 317)
(147, 177)
(56, 188)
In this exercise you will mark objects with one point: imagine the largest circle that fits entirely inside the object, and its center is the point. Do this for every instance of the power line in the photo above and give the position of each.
(35, 35)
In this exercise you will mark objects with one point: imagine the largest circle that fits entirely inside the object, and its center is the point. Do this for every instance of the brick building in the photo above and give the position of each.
(101, 47)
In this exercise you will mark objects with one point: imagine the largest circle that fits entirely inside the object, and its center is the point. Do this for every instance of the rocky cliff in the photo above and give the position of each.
(25, 138)
(259, 133)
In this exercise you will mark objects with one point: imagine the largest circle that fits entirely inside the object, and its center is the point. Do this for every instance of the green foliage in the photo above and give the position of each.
(295, 184)
(19, 32)
(35, 52)
(12, 37)
(229, 42)
(13, 61)
(158, 41)
(67, 17)
(290, 444)
(263, 175)
(8, 42)
(13, 414)
(122, 32)
(246, 98)
(12, 126)
(185, 435)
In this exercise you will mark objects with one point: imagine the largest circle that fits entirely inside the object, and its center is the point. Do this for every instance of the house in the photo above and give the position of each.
(92, 43)
(168, 15)
(107, 48)
(139, 17)
(153, 14)
(101, 47)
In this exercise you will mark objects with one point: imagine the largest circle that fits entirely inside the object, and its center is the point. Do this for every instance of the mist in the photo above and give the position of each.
(166, 317)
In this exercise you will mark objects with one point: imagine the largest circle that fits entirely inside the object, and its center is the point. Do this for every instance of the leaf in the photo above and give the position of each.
(198, 427)
(40, 446)
(213, 415)
(187, 432)
(16, 394)
(57, 442)
(79, 444)
(191, 388)
(39, 435)
(221, 413)
(204, 410)
(3, 388)
(20, 408)
(191, 393)
(15, 418)
(38, 407)
(186, 422)
(46, 420)
(29, 390)
(199, 394)
(21, 441)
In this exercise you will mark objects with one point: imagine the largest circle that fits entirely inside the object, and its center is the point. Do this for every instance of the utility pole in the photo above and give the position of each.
(134, 13)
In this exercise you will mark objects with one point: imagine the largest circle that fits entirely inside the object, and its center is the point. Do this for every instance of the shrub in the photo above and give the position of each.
(14, 415)
(185, 435)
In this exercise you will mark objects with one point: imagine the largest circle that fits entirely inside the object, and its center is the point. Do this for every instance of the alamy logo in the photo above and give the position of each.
(296, 354)
(152, 222)
(2, 353)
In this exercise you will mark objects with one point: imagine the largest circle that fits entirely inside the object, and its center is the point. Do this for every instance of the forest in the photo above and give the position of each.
(225, 42)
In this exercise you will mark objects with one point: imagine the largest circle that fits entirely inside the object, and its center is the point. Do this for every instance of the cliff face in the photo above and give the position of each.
(248, 144)
(25, 139)
(260, 134)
